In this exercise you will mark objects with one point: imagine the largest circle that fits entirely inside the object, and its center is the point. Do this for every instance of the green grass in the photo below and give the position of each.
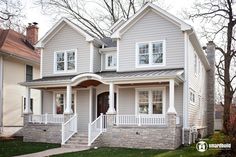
(189, 151)
(12, 147)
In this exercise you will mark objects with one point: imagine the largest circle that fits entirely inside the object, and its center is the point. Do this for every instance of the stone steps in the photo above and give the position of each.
(78, 140)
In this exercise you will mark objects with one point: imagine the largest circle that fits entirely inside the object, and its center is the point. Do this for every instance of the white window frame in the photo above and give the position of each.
(113, 54)
(150, 107)
(65, 61)
(64, 100)
(191, 92)
(150, 53)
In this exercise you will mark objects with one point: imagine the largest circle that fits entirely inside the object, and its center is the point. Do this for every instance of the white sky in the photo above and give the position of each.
(34, 14)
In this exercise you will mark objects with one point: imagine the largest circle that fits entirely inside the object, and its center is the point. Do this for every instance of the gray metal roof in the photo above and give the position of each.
(135, 74)
(112, 75)
(109, 42)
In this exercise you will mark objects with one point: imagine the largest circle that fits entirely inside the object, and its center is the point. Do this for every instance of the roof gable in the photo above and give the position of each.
(59, 25)
(136, 17)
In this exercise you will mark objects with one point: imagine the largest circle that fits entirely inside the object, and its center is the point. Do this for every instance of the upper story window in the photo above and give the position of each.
(192, 97)
(65, 61)
(29, 73)
(150, 53)
(110, 60)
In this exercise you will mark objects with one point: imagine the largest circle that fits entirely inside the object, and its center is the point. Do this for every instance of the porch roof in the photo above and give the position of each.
(109, 76)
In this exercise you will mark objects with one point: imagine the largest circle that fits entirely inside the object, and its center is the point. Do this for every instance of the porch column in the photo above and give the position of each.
(171, 108)
(68, 100)
(27, 109)
(111, 109)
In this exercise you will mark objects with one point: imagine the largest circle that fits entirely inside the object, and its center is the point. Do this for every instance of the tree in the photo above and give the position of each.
(11, 14)
(219, 19)
(96, 16)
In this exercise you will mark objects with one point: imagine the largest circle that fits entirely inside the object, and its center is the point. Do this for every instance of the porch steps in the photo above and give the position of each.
(78, 140)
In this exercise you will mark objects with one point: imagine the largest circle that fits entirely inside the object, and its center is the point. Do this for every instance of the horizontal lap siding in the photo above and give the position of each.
(152, 27)
(126, 101)
(47, 102)
(66, 39)
(198, 84)
(96, 60)
(83, 110)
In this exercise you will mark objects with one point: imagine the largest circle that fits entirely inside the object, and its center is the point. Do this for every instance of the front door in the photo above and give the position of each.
(103, 103)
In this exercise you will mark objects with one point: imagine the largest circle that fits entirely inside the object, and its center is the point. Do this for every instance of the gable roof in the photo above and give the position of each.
(88, 36)
(183, 26)
(15, 44)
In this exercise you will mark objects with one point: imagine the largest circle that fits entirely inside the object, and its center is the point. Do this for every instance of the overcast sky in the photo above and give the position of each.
(34, 14)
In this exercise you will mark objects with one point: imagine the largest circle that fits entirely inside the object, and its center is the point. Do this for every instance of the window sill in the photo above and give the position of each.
(150, 66)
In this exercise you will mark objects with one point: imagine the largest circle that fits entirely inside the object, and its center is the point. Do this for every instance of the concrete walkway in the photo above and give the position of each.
(54, 151)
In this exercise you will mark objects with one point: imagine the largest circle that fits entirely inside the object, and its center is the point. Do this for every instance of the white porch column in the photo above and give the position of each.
(27, 109)
(171, 108)
(111, 109)
(68, 100)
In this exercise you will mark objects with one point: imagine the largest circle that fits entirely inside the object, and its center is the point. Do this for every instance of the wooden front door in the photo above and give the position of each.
(103, 103)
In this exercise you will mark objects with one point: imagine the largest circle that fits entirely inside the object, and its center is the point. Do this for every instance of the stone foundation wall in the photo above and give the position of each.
(48, 133)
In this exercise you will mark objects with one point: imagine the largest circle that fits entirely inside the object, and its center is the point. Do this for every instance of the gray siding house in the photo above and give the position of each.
(145, 86)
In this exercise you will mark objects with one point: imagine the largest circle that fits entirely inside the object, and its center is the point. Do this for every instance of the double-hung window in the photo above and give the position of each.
(110, 61)
(192, 97)
(65, 61)
(61, 100)
(150, 54)
(150, 101)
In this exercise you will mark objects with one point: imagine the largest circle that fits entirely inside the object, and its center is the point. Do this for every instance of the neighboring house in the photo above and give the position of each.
(19, 61)
(144, 87)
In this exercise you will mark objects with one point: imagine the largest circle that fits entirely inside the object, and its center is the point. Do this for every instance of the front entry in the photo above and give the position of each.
(103, 103)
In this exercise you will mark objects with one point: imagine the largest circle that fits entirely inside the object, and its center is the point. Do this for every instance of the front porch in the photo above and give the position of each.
(100, 109)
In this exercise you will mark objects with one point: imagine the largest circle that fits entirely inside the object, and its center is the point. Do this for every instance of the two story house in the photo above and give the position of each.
(145, 86)
(19, 61)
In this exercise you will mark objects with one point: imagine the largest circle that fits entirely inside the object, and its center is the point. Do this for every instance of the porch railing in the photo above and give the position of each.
(96, 128)
(140, 120)
(47, 118)
(68, 129)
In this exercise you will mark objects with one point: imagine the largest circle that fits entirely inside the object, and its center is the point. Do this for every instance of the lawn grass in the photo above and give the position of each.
(12, 147)
(189, 151)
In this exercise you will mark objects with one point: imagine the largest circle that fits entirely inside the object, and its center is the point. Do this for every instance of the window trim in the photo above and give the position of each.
(65, 62)
(150, 53)
(64, 105)
(150, 109)
(106, 61)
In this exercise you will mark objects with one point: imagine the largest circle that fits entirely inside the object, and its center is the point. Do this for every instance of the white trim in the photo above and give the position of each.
(42, 41)
(117, 99)
(112, 54)
(65, 71)
(90, 103)
(186, 85)
(91, 46)
(150, 53)
(171, 108)
(150, 89)
(117, 23)
(184, 26)
(118, 55)
(41, 63)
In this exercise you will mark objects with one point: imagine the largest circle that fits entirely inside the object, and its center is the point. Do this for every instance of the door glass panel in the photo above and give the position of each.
(157, 102)
(59, 103)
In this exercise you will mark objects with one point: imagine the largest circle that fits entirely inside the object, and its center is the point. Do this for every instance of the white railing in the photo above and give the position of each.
(68, 129)
(47, 118)
(140, 120)
(95, 128)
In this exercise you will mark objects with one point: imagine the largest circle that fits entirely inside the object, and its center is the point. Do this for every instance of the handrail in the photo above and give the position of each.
(95, 128)
(68, 129)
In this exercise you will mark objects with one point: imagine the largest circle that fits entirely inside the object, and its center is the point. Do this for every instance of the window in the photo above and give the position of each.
(150, 101)
(150, 53)
(31, 104)
(65, 61)
(111, 61)
(60, 102)
(192, 97)
(195, 64)
(29, 73)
